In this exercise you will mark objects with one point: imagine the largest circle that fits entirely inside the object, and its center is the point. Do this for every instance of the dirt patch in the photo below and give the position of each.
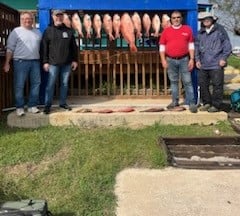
(31, 169)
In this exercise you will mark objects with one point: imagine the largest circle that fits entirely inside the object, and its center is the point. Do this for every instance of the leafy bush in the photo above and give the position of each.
(234, 61)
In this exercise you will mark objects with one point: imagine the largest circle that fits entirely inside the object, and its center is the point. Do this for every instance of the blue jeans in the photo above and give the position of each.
(179, 68)
(64, 72)
(24, 69)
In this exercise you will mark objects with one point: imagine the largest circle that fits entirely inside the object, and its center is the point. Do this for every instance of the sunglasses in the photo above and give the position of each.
(59, 15)
(178, 17)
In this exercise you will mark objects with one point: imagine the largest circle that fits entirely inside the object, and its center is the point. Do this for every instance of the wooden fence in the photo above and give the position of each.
(9, 19)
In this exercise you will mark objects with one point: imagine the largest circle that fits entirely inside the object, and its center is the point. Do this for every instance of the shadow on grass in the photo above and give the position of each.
(65, 214)
(9, 196)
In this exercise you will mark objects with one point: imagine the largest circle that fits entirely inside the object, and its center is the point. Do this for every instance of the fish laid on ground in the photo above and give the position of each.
(146, 24)
(87, 23)
(165, 21)
(97, 25)
(125, 109)
(127, 30)
(154, 109)
(108, 26)
(156, 24)
(137, 24)
(66, 20)
(116, 25)
(76, 24)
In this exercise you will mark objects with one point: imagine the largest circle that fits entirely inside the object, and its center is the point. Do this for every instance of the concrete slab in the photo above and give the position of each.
(134, 119)
(174, 192)
(28, 121)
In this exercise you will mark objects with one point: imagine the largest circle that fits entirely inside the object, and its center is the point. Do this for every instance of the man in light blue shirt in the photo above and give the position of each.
(23, 46)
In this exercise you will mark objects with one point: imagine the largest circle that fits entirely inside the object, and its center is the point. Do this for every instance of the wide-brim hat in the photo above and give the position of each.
(205, 15)
(57, 12)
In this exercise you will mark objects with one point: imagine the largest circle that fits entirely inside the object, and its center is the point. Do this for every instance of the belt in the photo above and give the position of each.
(18, 59)
(178, 57)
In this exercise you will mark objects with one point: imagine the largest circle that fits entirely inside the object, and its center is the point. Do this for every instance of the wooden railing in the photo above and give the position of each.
(119, 73)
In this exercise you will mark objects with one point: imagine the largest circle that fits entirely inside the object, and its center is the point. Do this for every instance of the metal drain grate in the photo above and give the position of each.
(202, 152)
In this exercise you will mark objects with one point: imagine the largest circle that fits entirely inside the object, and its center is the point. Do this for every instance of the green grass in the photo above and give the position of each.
(75, 169)
(234, 61)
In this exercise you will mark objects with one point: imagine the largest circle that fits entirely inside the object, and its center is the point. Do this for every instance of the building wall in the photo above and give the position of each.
(24, 5)
(21, 4)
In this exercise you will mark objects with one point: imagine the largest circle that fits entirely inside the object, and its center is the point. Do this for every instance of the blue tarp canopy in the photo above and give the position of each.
(120, 5)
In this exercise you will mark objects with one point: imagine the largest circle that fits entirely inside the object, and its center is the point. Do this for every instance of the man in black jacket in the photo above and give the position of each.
(59, 55)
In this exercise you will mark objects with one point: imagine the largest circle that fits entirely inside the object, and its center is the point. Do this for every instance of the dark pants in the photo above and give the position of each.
(216, 78)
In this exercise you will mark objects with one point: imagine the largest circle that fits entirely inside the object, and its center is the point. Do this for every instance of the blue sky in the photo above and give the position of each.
(203, 1)
(235, 40)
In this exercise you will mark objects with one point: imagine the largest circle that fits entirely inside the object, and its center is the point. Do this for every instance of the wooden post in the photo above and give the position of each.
(143, 75)
(121, 76)
(157, 74)
(100, 75)
(108, 73)
(86, 72)
(116, 56)
(165, 81)
(93, 74)
(79, 74)
(128, 73)
(136, 73)
(151, 73)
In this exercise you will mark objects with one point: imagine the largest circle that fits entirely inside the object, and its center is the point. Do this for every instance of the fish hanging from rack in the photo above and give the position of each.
(146, 24)
(77, 24)
(87, 23)
(156, 25)
(67, 21)
(137, 24)
(127, 30)
(97, 25)
(116, 25)
(165, 21)
(108, 26)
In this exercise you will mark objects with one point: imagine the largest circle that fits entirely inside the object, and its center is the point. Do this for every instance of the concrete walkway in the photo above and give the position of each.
(85, 113)
(178, 192)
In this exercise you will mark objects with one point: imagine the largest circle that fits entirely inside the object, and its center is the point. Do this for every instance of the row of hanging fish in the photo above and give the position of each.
(129, 27)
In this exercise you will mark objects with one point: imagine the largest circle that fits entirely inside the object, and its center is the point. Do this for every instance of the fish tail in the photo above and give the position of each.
(133, 48)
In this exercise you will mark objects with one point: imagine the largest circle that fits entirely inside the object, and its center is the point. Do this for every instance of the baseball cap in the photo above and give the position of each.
(56, 12)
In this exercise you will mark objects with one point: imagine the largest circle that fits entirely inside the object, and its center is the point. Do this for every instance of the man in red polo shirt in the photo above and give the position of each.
(177, 56)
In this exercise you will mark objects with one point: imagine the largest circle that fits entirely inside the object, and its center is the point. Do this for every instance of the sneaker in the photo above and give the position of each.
(46, 110)
(193, 108)
(20, 112)
(205, 107)
(213, 109)
(172, 105)
(65, 106)
(33, 110)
